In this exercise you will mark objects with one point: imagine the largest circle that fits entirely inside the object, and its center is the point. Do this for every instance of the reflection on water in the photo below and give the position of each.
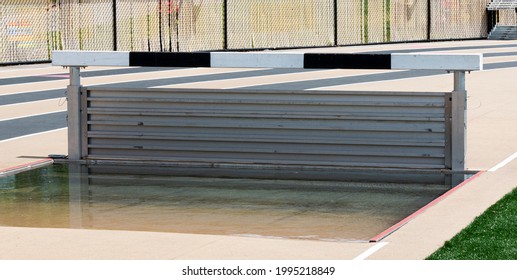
(102, 198)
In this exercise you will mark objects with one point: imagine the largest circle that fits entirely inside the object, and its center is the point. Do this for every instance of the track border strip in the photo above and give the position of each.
(406, 220)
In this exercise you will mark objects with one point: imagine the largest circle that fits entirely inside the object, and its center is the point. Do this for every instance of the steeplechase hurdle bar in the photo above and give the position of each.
(454, 116)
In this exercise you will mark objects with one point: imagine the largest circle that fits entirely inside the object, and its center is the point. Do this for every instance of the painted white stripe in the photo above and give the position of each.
(23, 68)
(30, 135)
(121, 78)
(37, 67)
(437, 61)
(339, 87)
(34, 115)
(390, 80)
(90, 58)
(371, 82)
(370, 251)
(256, 60)
(503, 163)
(43, 83)
(330, 76)
(62, 101)
(291, 80)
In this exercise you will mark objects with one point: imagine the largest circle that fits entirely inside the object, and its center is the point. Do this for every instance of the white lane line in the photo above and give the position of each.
(21, 68)
(31, 91)
(83, 79)
(334, 87)
(370, 251)
(252, 84)
(400, 79)
(33, 115)
(503, 163)
(119, 78)
(33, 134)
(304, 79)
(301, 79)
(48, 65)
(62, 101)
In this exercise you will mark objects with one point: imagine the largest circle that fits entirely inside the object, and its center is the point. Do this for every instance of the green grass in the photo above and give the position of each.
(491, 236)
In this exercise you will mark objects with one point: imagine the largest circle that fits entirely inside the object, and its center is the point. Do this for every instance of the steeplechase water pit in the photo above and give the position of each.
(335, 166)
(170, 199)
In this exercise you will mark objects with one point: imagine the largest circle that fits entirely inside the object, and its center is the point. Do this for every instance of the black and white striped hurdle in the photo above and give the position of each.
(450, 62)
(456, 63)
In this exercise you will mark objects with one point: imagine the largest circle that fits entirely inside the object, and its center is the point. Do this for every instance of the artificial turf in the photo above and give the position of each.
(491, 236)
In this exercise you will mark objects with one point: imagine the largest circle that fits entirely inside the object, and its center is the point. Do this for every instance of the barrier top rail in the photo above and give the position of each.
(395, 61)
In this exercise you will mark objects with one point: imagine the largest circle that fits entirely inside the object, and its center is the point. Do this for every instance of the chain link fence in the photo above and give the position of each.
(458, 19)
(170, 26)
(380, 21)
(507, 17)
(23, 31)
(280, 23)
(31, 29)
(408, 20)
(86, 24)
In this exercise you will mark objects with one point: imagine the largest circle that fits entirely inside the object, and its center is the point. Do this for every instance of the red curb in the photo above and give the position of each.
(398, 225)
(26, 166)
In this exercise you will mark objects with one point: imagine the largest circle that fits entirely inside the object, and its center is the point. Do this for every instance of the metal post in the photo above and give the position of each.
(459, 80)
(74, 114)
(459, 122)
(335, 24)
(75, 76)
(114, 16)
(429, 21)
(225, 24)
(160, 24)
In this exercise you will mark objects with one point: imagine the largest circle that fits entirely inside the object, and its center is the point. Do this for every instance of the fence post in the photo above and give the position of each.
(225, 24)
(74, 114)
(335, 24)
(160, 24)
(429, 22)
(114, 7)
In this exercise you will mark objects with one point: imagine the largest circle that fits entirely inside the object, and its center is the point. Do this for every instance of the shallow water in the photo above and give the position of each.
(55, 197)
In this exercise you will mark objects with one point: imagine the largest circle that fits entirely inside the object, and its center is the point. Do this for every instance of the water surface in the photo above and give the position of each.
(60, 196)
